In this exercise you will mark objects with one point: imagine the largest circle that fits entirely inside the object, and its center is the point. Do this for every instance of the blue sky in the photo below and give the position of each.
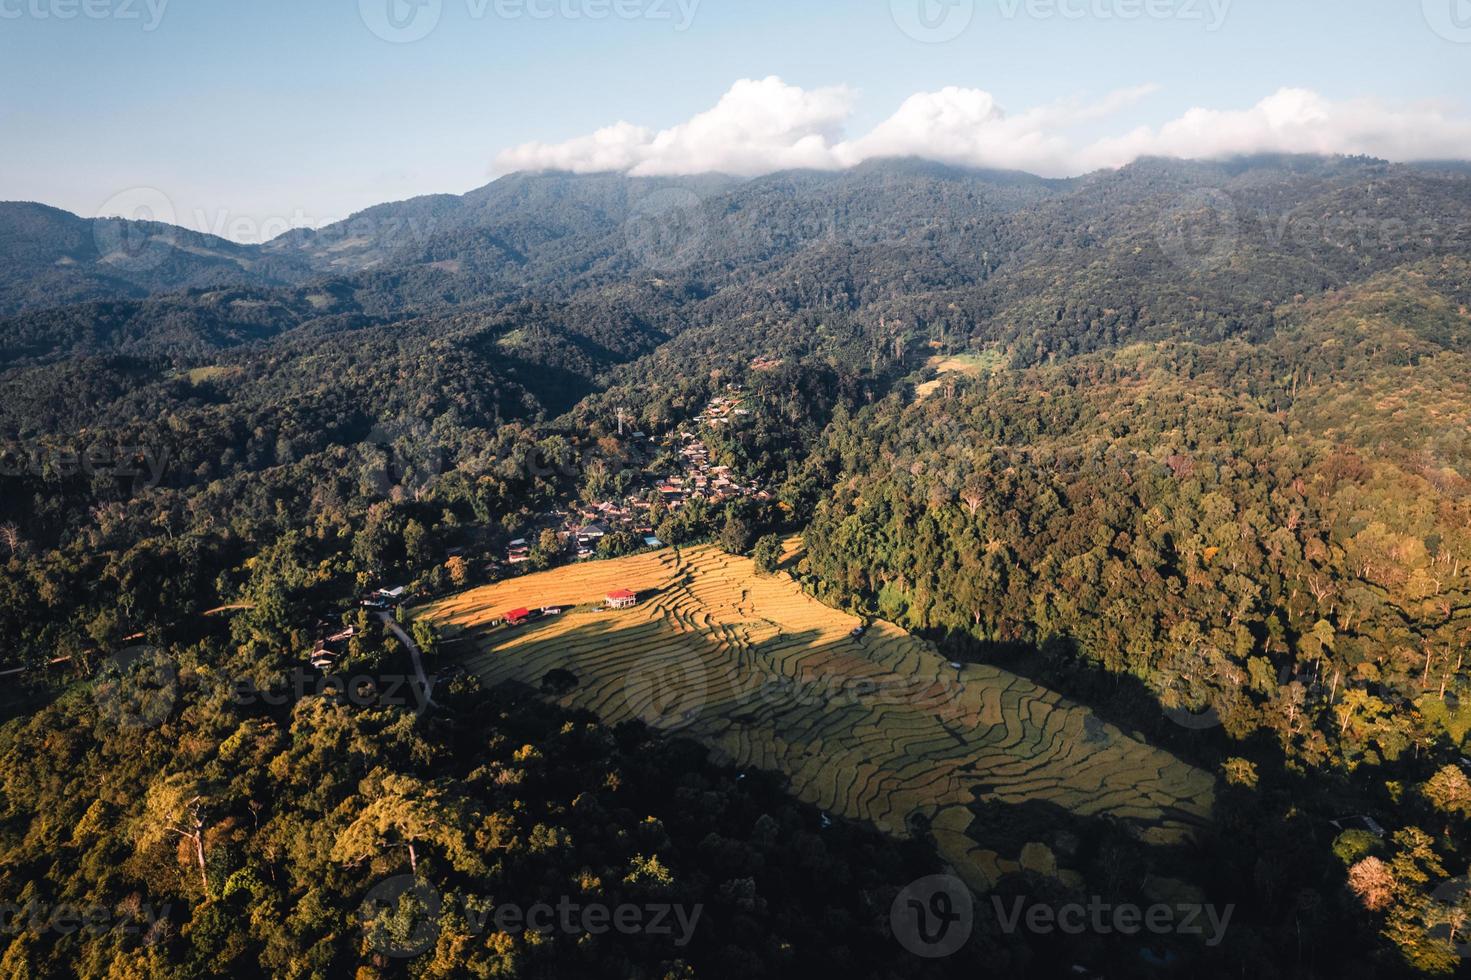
(244, 114)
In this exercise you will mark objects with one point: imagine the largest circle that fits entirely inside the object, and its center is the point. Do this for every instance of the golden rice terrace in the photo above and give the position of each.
(876, 728)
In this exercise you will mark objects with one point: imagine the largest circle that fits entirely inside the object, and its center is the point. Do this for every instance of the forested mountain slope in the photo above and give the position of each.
(1186, 442)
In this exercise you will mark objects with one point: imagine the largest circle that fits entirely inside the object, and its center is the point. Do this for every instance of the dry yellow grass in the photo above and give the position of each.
(878, 729)
(970, 365)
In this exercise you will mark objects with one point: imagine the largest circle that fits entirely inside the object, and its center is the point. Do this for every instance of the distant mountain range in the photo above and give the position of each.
(1011, 240)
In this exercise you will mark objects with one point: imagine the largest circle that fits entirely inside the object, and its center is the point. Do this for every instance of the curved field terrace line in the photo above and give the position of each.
(876, 727)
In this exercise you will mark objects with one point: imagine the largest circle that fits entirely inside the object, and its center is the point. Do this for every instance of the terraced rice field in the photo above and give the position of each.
(877, 729)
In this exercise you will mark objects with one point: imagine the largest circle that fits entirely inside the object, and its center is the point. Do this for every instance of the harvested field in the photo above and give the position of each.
(970, 365)
(877, 728)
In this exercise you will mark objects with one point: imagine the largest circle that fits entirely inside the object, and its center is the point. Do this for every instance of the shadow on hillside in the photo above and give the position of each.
(1119, 699)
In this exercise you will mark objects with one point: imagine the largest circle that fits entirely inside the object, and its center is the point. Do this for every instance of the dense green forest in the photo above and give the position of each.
(1204, 468)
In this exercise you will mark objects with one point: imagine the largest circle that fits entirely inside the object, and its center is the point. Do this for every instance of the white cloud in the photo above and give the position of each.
(762, 126)
(755, 128)
(616, 147)
(1295, 120)
(967, 127)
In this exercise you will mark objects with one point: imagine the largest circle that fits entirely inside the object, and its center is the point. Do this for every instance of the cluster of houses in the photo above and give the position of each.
(723, 410)
(329, 649)
(332, 646)
(699, 478)
(702, 481)
(384, 600)
(520, 617)
(618, 599)
(583, 539)
(581, 529)
(592, 524)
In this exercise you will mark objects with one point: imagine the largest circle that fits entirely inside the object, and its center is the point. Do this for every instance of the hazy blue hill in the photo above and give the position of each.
(50, 257)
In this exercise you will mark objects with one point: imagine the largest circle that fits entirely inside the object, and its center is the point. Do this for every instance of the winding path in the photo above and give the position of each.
(408, 641)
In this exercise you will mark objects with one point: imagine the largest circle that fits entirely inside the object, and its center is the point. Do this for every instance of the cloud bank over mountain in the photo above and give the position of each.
(765, 125)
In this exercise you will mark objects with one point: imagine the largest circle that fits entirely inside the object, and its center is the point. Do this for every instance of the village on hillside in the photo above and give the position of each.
(581, 528)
